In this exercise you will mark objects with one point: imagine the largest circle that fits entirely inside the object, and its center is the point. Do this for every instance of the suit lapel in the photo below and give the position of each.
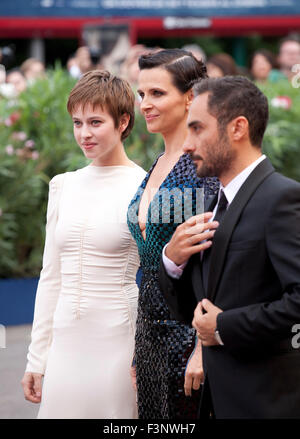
(225, 230)
(197, 277)
(196, 273)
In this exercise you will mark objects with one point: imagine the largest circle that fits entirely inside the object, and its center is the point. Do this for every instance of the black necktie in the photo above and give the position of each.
(221, 209)
(222, 206)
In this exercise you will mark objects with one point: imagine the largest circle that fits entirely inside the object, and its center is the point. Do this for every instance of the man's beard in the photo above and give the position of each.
(219, 158)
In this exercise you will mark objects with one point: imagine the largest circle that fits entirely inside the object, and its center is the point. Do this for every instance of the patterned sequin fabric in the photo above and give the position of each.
(163, 346)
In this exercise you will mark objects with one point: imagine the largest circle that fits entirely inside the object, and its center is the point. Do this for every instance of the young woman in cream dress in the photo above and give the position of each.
(85, 311)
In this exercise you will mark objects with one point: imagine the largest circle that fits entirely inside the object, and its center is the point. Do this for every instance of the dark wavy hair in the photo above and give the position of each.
(184, 68)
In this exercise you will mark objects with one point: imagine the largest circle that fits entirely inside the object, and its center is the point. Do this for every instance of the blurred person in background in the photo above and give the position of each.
(81, 62)
(220, 65)
(289, 55)
(7, 55)
(73, 67)
(33, 69)
(196, 50)
(86, 301)
(167, 376)
(84, 60)
(113, 55)
(264, 66)
(2, 77)
(17, 79)
(129, 69)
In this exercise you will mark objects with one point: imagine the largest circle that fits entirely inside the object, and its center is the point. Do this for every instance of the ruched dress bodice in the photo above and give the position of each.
(85, 313)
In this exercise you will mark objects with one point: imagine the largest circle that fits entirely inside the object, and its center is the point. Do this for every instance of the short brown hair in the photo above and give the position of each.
(233, 96)
(101, 88)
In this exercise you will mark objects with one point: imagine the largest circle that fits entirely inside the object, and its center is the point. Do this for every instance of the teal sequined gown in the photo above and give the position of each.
(162, 345)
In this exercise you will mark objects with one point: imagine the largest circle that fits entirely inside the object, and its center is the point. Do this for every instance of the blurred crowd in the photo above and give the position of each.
(16, 80)
(263, 66)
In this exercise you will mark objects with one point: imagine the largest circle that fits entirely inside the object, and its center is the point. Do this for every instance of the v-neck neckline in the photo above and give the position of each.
(142, 193)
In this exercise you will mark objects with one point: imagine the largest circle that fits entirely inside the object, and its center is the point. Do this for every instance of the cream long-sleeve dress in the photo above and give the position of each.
(85, 310)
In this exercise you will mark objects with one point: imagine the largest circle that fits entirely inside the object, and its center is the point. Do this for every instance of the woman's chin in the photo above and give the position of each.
(89, 154)
(152, 129)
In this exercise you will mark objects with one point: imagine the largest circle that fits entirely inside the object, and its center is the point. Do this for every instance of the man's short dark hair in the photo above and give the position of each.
(233, 96)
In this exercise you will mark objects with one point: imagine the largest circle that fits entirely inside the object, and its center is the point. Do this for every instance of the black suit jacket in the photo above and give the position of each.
(254, 278)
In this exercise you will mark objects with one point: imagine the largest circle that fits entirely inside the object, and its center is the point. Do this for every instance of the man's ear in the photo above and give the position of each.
(238, 128)
(124, 121)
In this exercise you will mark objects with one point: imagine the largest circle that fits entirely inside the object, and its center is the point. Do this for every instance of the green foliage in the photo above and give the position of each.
(281, 141)
(36, 142)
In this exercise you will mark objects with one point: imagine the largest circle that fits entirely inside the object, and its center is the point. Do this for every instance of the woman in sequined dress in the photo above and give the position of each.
(163, 346)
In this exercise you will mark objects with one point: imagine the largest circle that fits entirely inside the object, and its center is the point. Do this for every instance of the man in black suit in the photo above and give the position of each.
(243, 291)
